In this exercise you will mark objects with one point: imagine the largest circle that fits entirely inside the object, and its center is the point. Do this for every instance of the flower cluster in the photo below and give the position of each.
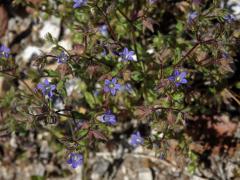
(108, 118)
(111, 86)
(79, 3)
(46, 88)
(62, 58)
(178, 78)
(127, 55)
(136, 139)
(75, 160)
(4, 51)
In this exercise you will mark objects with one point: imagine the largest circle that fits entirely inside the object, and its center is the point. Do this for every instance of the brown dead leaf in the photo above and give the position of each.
(64, 69)
(183, 6)
(3, 21)
(98, 135)
(148, 24)
(171, 118)
(35, 2)
(142, 112)
(78, 49)
(225, 127)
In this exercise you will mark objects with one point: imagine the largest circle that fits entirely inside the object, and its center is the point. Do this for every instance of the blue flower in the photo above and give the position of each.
(75, 160)
(225, 55)
(62, 58)
(229, 18)
(108, 118)
(79, 3)
(111, 86)
(103, 30)
(127, 55)
(128, 88)
(4, 51)
(136, 139)
(178, 78)
(191, 17)
(46, 88)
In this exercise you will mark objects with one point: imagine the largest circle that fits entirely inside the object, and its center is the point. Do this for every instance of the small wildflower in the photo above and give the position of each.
(128, 88)
(178, 78)
(127, 55)
(225, 55)
(79, 3)
(75, 160)
(136, 139)
(191, 17)
(111, 86)
(108, 118)
(4, 51)
(103, 30)
(46, 88)
(229, 18)
(62, 58)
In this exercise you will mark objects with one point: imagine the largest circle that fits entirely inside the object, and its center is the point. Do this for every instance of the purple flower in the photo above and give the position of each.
(103, 30)
(62, 58)
(127, 55)
(75, 160)
(46, 88)
(79, 3)
(111, 86)
(108, 118)
(4, 51)
(136, 139)
(128, 88)
(229, 18)
(225, 55)
(191, 17)
(178, 78)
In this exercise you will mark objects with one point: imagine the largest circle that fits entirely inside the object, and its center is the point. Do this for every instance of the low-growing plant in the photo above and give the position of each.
(151, 60)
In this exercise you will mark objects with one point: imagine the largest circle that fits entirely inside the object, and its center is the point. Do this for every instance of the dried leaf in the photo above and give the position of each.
(3, 20)
(78, 49)
(98, 135)
(171, 117)
(142, 112)
(225, 127)
(64, 69)
(148, 23)
(35, 2)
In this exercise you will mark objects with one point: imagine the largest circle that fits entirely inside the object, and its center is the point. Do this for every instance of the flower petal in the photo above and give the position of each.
(184, 81)
(113, 91)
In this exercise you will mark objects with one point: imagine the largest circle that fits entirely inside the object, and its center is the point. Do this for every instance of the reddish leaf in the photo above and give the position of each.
(78, 49)
(64, 69)
(171, 117)
(225, 127)
(3, 20)
(35, 2)
(85, 126)
(98, 135)
(148, 23)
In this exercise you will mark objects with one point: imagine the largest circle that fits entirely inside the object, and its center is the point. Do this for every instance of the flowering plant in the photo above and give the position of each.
(129, 60)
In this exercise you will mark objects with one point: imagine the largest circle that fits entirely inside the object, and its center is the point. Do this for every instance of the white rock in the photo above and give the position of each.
(145, 174)
(27, 53)
(235, 7)
(51, 26)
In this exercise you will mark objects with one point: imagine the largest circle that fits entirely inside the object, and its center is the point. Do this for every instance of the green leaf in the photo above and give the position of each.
(90, 99)
(52, 73)
(35, 177)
